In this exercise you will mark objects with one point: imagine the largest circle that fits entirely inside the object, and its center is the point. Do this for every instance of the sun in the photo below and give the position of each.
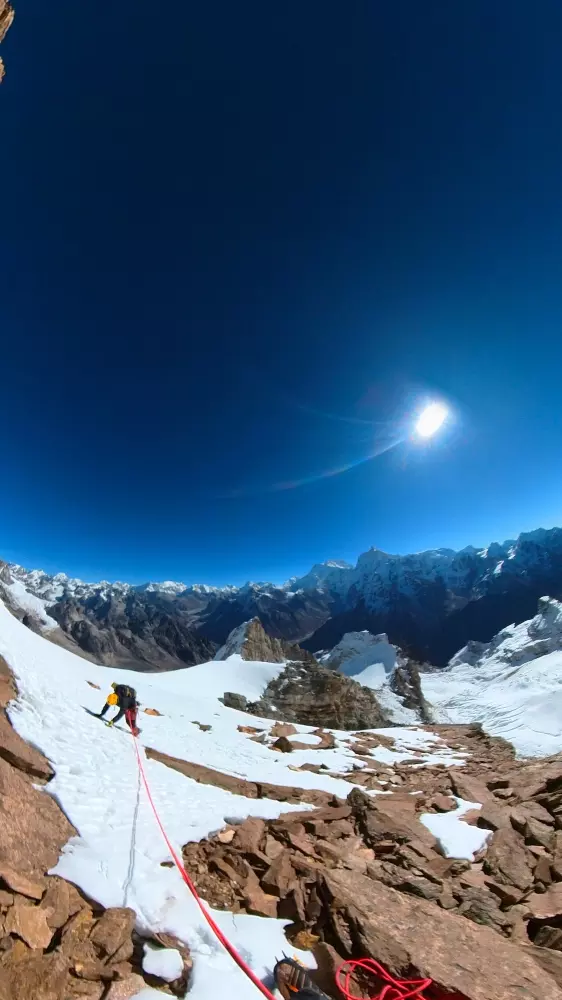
(431, 419)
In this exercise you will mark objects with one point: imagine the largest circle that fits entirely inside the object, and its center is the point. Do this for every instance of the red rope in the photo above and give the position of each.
(214, 927)
(395, 989)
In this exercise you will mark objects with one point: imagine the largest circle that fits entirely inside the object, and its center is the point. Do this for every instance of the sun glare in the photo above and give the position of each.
(430, 420)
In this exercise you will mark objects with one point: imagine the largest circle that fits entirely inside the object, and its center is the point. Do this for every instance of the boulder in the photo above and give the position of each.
(494, 816)
(112, 933)
(469, 788)
(34, 829)
(280, 877)
(20, 884)
(546, 905)
(387, 818)
(413, 938)
(507, 861)
(441, 803)
(283, 744)
(232, 700)
(57, 901)
(248, 835)
(539, 834)
(31, 975)
(29, 922)
(261, 903)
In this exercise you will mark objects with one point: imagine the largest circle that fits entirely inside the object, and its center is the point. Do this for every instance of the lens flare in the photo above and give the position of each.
(430, 420)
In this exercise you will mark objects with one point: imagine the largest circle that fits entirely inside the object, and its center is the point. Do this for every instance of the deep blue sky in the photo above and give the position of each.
(218, 218)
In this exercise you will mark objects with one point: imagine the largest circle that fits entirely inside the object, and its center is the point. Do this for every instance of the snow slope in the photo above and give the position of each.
(117, 856)
(512, 685)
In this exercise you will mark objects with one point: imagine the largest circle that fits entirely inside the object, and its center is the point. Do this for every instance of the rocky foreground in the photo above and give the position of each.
(353, 877)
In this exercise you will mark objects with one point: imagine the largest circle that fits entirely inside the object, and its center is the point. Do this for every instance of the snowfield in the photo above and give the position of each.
(507, 685)
(117, 856)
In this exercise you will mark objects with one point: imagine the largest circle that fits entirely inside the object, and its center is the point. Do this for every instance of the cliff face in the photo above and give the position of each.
(6, 18)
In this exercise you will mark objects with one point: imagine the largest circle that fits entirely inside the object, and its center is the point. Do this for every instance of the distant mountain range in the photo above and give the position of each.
(430, 603)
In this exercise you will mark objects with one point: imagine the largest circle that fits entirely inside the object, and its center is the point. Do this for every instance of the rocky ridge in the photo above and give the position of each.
(430, 603)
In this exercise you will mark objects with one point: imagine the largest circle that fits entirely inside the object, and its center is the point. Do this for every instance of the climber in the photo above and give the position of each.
(125, 698)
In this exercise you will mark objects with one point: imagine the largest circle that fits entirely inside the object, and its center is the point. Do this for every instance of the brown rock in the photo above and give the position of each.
(114, 930)
(387, 818)
(249, 834)
(415, 938)
(29, 923)
(126, 988)
(31, 975)
(530, 810)
(481, 906)
(280, 876)
(57, 901)
(84, 989)
(153, 711)
(494, 816)
(272, 848)
(471, 817)
(507, 894)
(19, 754)
(282, 729)
(539, 833)
(506, 860)
(446, 900)
(33, 829)
(249, 729)
(547, 904)
(549, 961)
(261, 903)
(469, 788)
(75, 941)
(549, 937)
(504, 793)
(442, 803)
(92, 685)
(6, 899)
(226, 836)
(19, 883)
(283, 745)
(542, 871)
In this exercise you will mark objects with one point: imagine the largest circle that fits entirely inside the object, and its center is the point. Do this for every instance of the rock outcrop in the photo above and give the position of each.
(6, 18)
(405, 682)
(251, 642)
(311, 695)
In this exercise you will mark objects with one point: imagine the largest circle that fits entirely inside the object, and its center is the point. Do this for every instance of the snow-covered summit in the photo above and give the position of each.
(469, 571)
(357, 650)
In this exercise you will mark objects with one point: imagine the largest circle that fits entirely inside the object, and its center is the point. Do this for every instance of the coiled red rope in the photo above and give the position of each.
(395, 989)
